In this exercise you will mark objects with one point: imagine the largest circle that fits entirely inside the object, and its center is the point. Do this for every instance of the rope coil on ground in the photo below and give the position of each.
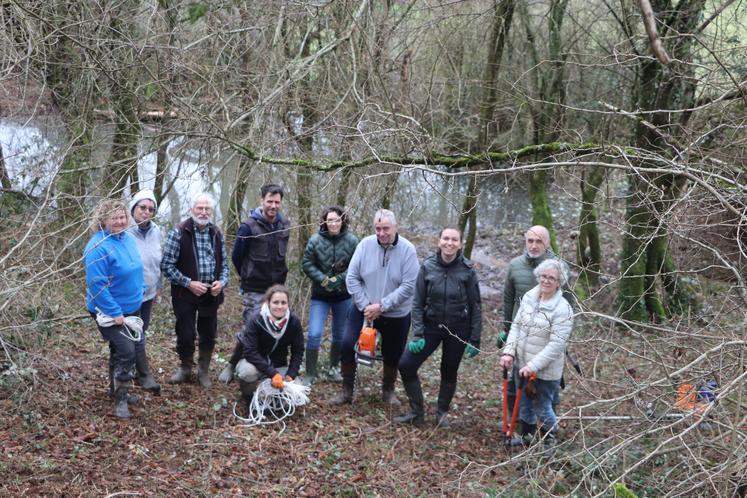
(132, 328)
(270, 405)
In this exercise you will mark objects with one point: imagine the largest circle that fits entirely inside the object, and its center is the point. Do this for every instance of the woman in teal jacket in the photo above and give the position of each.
(114, 291)
(325, 262)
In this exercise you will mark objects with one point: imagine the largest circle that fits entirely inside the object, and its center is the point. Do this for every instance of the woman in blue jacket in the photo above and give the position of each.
(114, 291)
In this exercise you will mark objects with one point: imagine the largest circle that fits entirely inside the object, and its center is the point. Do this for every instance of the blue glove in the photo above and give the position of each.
(471, 351)
(416, 345)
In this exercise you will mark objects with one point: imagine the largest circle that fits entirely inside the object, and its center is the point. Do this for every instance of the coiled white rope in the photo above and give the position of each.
(132, 328)
(270, 405)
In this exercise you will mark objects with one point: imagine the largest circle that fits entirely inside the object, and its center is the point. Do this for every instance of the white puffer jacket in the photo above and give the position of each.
(539, 334)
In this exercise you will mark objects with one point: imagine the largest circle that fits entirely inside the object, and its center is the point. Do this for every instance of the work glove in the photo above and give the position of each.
(331, 283)
(502, 338)
(336, 282)
(277, 381)
(416, 345)
(471, 351)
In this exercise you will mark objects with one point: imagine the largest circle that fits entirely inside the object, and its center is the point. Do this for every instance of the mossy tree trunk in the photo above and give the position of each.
(588, 245)
(503, 12)
(646, 265)
(547, 113)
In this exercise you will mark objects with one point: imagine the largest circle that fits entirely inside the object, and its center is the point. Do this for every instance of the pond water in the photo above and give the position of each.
(33, 149)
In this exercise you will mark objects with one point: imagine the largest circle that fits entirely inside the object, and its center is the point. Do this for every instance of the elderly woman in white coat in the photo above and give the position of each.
(537, 343)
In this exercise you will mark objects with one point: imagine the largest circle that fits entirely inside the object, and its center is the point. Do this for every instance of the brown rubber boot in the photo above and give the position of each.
(345, 396)
(203, 368)
(183, 373)
(388, 378)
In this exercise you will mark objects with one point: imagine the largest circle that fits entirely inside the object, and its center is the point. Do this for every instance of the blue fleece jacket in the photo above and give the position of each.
(114, 274)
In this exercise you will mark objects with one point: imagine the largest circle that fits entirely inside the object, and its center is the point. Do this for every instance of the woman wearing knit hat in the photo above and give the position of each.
(147, 234)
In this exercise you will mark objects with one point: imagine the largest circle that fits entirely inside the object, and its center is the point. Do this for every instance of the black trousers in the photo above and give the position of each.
(121, 350)
(451, 355)
(393, 336)
(194, 321)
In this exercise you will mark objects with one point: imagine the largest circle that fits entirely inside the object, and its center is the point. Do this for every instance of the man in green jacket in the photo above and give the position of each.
(519, 279)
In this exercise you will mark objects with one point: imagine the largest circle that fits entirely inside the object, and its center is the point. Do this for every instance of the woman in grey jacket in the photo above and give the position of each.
(537, 342)
(446, 310)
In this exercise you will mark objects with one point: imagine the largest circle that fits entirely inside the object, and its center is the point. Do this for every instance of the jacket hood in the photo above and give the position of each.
(258, 215)
(145, 194)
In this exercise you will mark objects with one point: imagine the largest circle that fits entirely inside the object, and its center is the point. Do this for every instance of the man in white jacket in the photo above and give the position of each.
(381, 280)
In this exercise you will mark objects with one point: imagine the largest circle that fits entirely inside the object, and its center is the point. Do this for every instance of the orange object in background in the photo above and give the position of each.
(367, 341)
(687, 399)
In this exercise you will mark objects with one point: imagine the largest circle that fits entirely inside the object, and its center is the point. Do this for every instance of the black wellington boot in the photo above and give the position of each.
(345, 396)
(416, 415)
(445, 394)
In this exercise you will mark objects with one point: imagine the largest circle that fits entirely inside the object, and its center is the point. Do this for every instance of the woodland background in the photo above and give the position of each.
(620, 125)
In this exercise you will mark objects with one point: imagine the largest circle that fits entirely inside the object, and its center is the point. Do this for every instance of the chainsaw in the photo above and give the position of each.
(365, 348)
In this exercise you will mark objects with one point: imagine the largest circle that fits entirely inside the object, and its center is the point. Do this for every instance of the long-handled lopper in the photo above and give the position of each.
(509, 431)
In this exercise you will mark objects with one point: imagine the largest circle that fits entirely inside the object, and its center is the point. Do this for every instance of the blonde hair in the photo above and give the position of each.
(104, 210)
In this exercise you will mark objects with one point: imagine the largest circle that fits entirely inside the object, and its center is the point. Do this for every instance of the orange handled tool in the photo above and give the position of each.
(515, 414)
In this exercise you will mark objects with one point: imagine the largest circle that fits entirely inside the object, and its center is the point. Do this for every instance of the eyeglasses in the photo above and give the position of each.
(549, 278)
(146, 208)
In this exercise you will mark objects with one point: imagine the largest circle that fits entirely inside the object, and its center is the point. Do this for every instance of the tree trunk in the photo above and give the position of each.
(588, 247)
(235, 210)
(122, 168)
(645, 259)
(503, 12)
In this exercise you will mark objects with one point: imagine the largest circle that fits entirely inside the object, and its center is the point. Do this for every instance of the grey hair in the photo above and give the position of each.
(385, 214)
(554, 264)
(202, 195)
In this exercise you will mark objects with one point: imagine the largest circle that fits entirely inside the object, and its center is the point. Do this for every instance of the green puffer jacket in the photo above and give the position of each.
(447, 294)
(327, 256)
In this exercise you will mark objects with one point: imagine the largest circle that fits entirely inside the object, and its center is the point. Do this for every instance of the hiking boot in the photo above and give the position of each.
(416, 415)
(345, 396)
(388, 378)
(144, 375)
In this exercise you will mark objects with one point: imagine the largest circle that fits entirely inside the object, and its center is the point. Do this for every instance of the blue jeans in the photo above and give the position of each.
(540, 407)
(318, 316)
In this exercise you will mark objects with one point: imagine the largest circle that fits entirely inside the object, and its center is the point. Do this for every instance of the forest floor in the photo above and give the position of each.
(59, 437)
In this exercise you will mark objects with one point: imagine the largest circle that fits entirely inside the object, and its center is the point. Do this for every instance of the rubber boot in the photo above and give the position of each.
(345, 396)
(183, 373)
(334, 363)
(445, 395)
(312, 358)
(549, 443)
(247, 392)
(120, 399)
(203, 368)
(131, 398)
(388, 378)
(416, 415)
(527, 433)
(144, 375)
(226, 375)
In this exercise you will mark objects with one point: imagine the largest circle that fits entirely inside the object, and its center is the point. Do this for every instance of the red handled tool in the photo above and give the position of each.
(519, 388)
